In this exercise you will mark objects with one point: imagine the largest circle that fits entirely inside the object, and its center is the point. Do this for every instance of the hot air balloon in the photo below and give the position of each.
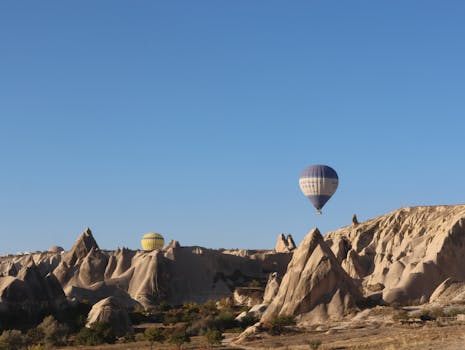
(318, 183)
(152, 241)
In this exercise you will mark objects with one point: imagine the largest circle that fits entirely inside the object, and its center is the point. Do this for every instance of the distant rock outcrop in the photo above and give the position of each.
(284, 244)
(315, 287)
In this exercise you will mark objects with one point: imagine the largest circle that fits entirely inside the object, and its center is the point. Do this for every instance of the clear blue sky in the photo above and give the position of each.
(195, 118)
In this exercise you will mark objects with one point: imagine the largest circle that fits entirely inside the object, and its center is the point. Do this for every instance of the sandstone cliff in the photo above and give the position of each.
(405, 254)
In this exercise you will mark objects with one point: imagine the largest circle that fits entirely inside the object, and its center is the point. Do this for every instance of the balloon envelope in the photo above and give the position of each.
(152, 241)
(318, 183)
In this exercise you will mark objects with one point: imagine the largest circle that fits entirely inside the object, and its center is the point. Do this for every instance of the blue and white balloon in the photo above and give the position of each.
(318, 183)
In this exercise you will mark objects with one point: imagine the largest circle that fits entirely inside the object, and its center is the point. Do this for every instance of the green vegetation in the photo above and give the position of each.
(154, 335)
(248, 320)
(213, 336)
(52, 333)
(180, 323)
(97, 333)
(278, 324)
(178, 337)
(255, 283)
(13, 340)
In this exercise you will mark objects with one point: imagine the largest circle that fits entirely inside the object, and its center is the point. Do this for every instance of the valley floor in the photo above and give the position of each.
(424, 337)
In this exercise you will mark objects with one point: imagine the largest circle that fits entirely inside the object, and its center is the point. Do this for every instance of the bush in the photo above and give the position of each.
(98, 333)
(35, 336)
(254, 283)
(154, 335)
(12, 340)
(53, 332)
(225, 320)
(278, 324)
(209, 308)
(213, 336)
(164, 306)
(248, 320)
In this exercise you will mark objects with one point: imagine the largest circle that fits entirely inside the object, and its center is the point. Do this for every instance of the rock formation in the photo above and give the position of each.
(81, 248)
(284, 244)
(248, 296)
(272, 287)
(315, 287)
(449, 292)
(405, 254)
(132, 278)
(28, 294)
(255, 311)
(109, 310)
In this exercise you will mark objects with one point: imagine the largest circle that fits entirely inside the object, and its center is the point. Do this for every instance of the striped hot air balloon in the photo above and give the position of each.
(318, 183)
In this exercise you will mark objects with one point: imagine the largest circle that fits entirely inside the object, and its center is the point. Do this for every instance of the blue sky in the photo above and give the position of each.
(195, 118)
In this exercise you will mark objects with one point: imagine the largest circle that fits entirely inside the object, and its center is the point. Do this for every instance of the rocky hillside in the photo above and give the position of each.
(406, 254)
(177, 275)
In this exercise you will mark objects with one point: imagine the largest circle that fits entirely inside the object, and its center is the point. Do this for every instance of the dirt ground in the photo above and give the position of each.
(418, 337)
(424, 337)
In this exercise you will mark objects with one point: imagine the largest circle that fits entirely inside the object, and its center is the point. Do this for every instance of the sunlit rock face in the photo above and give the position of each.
(406, 254)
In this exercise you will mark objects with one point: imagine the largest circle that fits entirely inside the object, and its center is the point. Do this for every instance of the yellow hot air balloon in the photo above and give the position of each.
(152, 241)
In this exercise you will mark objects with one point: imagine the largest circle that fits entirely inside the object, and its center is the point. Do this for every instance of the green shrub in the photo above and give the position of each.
(35, 336)
(164, 306)
(53, 332)
(171, 318)
(213, 336)
(12, 340)
(278, 324)
(154, 334)
(248, 320)
(97, 333)
(254, 283)
(225, 320)
(209, 308)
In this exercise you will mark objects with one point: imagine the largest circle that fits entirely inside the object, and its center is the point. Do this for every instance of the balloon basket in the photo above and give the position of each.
(318, 212)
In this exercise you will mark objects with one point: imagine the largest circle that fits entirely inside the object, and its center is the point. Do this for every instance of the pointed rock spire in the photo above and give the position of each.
(315, 287)
(83, 245)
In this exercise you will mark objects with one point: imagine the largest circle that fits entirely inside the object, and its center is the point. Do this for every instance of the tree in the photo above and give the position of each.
(154, 334)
